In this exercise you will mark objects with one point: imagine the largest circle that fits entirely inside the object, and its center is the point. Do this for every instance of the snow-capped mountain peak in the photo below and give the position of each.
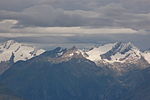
(94, 53)
(122, 52)
(114, 52)
(146, 55)
(119, 56)
(20, 51)
(7, 44)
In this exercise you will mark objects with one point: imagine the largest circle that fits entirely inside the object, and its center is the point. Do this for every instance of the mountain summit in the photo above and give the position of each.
(114, 52)
(20, 51)
(120, 56)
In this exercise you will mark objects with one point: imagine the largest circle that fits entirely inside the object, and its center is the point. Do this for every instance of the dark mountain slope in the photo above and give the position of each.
(76, 79)
(137, 83)
(63, 74)
(142, 90)
(7, 94)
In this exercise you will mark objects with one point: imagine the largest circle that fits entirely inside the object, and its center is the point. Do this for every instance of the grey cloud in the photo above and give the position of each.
(44, 15)
(66, 13)
(124, 18)
(133, 14)
(16, 5)
(52, 13)
(138, 6)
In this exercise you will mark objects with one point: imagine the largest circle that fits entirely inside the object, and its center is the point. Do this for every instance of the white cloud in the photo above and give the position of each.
(9, 31)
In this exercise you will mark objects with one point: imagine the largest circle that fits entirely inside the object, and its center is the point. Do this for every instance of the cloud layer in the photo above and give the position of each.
(72, 20)
(70, 13)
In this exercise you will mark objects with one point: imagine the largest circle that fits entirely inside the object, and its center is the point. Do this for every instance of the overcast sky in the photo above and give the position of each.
(51, 23)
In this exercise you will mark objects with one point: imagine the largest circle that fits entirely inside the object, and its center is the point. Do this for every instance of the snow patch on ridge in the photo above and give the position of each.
(20, 51)
(94, 54)
(146, 55)
(115, 52)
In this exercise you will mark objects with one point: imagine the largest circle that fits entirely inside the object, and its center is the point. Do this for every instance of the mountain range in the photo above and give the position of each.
(114, 71)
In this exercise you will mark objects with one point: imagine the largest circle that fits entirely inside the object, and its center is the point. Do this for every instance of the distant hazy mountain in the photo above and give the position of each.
(118, 56)
(115, 71)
